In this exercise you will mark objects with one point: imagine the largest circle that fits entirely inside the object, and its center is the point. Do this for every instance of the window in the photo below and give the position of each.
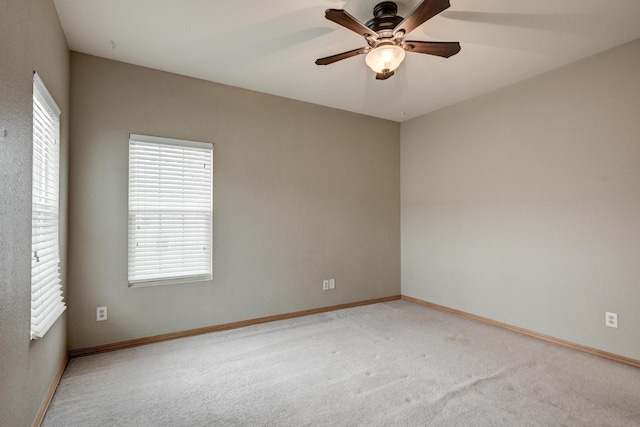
(170, 210)
(46, 288)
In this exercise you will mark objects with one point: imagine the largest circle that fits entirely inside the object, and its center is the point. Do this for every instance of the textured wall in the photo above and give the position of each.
(32, 40)
(301, 193)
(523, 205)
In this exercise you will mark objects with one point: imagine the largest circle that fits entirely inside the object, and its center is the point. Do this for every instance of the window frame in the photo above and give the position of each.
(134, 208)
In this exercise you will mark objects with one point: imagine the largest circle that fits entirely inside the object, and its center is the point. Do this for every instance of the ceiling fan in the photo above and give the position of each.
(385, 34)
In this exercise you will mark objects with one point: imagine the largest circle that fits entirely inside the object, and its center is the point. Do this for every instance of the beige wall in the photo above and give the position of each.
(523, 205)
(32, 40)
(302, 193)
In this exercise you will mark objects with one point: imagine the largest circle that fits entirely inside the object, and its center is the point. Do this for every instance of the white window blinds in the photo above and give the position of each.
(46, 288)
(170, 210)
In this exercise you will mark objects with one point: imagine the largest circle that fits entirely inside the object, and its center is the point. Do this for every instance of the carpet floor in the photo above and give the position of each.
(388, 364)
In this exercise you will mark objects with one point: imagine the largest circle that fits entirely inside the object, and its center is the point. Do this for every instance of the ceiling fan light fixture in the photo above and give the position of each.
(385, 58)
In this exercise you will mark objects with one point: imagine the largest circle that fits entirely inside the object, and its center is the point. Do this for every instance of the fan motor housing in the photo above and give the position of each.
(385, 17)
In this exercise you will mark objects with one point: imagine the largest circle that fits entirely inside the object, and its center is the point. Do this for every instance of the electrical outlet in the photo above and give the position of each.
(332, 283)
(325, 285)
(611, 319)
(101, 314)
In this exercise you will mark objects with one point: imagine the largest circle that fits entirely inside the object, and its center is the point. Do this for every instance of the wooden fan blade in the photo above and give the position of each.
(444, 49)
(342, 17)
(344, 55)
(384, 76)
(422, 13)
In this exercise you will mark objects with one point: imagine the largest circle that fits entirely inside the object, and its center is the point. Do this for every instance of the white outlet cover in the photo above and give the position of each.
(101, 314)
(325, 285)
(611, 319)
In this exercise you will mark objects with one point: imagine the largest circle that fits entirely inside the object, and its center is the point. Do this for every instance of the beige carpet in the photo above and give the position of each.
(390, 364)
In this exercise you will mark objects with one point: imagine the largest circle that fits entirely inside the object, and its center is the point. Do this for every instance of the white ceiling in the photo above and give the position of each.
(270, 46)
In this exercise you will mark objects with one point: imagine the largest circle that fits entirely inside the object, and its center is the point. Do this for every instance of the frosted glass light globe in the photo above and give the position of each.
(384, 59)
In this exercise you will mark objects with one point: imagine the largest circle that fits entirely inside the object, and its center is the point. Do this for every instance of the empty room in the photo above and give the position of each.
(326, 213)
